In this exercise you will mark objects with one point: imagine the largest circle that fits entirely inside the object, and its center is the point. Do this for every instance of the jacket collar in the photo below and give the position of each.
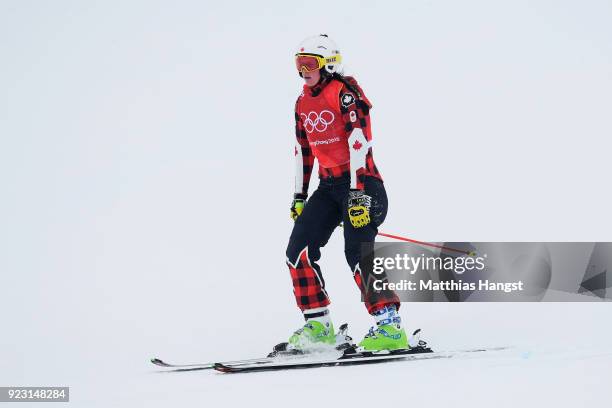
(316, 90)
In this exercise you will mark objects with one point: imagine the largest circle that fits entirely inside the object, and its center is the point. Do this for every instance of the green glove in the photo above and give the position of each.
(297, 205)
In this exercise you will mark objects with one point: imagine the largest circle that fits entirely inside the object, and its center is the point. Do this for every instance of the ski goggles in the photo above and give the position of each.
(313, 62)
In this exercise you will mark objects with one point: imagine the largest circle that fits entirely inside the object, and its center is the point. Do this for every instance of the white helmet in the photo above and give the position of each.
(325, 47)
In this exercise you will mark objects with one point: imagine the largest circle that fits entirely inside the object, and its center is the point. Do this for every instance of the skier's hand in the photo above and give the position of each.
(359, 208)
(297, 205)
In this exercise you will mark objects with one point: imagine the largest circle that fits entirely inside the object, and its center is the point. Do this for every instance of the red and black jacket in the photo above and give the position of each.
(332, 124)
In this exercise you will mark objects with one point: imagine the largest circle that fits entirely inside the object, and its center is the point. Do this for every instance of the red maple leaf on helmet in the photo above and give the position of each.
(357, 145)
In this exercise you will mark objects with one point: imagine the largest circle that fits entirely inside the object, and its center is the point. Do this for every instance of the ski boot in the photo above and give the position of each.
(388, 334)
(311, 338)
(313, 335)
(386, 337)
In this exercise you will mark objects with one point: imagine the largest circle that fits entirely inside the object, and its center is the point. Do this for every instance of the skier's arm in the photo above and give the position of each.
(355, 114)
(304, 159)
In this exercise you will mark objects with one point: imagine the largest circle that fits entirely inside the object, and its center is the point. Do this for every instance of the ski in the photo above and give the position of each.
(161, 363)
(413, 354)
(203, 366)
(279, 352)
(345, 352)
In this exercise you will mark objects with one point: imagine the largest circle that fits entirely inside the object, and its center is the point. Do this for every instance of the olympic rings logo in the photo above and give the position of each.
(317, 121)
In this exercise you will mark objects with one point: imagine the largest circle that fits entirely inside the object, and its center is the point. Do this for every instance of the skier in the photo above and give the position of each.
(333, 126)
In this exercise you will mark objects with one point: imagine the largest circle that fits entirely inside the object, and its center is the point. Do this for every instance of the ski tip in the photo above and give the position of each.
(159, 362)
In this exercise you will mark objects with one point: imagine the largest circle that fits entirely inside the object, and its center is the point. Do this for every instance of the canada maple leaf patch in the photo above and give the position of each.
(357, 145)
(347, 100)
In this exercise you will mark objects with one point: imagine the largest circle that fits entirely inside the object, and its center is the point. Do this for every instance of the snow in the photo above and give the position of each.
(146, 173)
